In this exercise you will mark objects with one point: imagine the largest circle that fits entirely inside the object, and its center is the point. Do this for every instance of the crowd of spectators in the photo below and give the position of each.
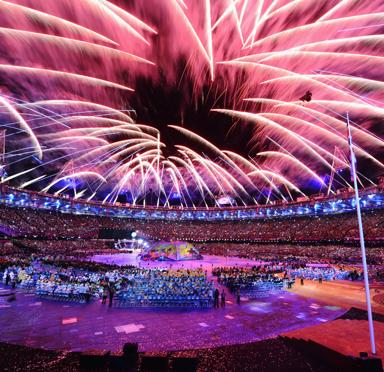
(78, 247)
(325, 273)
(281, 273)
(320, 253)
(262, 280)
(330, 228)
(238, 276)
(27, 222)
(34, 223)
(254, 282)
(328, 239)
(167, 288)
(273, 354)
(129, 285)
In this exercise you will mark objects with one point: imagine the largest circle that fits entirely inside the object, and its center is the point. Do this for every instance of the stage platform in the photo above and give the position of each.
(207, 263)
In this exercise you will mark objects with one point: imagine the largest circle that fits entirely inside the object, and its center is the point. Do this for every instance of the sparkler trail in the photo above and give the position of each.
(260, 89)
(68, 103)
(24, 70)
(68, 43)
(23, 124)
(10, 9)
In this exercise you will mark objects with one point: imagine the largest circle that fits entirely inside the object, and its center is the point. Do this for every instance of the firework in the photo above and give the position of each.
(285, 72)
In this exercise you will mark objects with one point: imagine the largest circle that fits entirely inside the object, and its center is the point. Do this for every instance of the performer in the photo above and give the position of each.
(111, 290)
(222, 298)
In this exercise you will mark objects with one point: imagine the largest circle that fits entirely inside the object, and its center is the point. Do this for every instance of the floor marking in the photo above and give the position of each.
(322, 320)
(129, 328)
(333, 308)
(69, 321)
(35, 304)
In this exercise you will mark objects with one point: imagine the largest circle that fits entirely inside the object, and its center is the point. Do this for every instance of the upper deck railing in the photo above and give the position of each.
(343, 202)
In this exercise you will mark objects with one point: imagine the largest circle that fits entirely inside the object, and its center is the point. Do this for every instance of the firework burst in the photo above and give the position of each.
(177, 102)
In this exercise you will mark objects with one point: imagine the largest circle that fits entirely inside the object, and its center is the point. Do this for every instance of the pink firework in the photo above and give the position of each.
(251, 96)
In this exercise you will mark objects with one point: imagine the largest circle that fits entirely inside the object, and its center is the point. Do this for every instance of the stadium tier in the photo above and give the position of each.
(32, 215)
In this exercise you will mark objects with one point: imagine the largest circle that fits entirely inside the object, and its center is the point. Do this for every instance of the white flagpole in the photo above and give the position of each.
(362, 242)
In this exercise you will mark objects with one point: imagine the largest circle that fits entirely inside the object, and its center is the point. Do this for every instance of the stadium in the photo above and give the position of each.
(191, 185)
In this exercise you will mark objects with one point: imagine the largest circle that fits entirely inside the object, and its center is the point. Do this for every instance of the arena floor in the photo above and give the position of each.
(353, 333)
(55, 325)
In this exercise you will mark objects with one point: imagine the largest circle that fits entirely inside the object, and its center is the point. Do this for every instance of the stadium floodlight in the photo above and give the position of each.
(361, 235)
(134, 234)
